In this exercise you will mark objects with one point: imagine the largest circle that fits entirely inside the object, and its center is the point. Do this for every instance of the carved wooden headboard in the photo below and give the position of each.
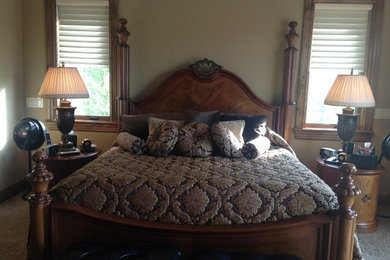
(206, 86)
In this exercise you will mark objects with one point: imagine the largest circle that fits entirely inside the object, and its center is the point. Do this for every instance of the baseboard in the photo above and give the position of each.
(13, 190)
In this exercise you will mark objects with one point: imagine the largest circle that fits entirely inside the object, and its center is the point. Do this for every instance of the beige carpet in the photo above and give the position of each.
(14, 226)
(376, 246)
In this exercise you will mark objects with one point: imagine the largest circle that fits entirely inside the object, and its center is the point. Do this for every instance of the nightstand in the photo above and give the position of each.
(63, 166)
(366, 202)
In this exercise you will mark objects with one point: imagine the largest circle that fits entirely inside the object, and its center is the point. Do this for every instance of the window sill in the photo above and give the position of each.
(89, 126)
(329, 134)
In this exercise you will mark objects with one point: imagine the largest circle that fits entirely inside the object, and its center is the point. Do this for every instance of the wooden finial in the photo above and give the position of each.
(39, 179)
(346, 190)
(123, 33)
(292, 35)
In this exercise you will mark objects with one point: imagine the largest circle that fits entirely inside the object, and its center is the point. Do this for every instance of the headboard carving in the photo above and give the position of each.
(205, 67)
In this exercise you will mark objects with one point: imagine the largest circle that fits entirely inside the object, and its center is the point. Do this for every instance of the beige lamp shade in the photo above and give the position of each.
(63, 82)
(351, 91)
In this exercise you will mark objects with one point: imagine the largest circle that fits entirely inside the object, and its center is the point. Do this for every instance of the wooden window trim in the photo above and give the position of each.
(364, 130)
(103, 124)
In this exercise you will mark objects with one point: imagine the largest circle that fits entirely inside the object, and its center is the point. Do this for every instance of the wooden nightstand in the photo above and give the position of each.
(63, 166)
(366, 202)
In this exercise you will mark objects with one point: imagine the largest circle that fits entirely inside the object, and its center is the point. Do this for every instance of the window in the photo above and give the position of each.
(82, 34)
(83, 42)
(337, 37)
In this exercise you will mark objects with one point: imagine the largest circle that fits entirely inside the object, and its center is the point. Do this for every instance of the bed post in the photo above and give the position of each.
(123, 64)
(346, 192)
(39, 180)
(288, 99)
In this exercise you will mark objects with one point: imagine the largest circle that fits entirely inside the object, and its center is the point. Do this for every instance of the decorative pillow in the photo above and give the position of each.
(162, 139)
(208, 118)
(138, 124)
(195, 140)
(155, 122)
(131, 143)
(277, 140)
(252, 123)
(236, 127)
(228, 138)
(255, 147)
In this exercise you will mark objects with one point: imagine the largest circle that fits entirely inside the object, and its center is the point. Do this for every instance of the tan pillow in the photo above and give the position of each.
(162, 139)
(195, 140)
(131, 143)
(236, 127)
(252, 124)
(227, 136)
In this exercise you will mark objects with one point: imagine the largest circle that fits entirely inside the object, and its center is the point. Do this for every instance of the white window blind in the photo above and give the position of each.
(83, 32)
(340, 34)
(339, 44)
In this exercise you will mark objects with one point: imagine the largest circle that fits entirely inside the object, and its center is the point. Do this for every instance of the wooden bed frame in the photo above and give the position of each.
(203, 86)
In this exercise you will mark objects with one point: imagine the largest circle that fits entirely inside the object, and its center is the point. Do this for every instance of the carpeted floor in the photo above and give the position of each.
(376, 246)
(14, 226)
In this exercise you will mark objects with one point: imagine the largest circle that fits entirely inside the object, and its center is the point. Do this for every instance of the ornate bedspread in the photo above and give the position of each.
(205, 191)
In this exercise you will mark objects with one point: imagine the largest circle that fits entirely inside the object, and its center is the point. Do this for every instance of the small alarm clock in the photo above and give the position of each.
(87, 146)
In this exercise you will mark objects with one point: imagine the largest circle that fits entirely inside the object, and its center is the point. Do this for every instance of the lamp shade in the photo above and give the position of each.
(352, 91)
(61, 82)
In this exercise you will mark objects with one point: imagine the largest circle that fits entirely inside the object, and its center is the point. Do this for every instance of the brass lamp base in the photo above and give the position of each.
(65, 123)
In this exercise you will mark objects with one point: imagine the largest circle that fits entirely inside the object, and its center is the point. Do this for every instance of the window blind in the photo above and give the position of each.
(340, 34)
(83, 32)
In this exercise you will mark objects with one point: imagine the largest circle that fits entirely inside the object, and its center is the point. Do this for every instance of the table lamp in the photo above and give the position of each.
(350, 91)
(62, 83)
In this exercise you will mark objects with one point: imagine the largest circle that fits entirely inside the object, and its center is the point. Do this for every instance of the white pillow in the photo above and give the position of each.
(227, 136)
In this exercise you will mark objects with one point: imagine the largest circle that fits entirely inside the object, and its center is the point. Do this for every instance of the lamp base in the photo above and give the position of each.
(65, 123)
(347, 147)
(346, 128)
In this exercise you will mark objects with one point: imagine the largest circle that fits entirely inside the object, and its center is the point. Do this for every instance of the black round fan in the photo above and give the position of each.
(29, 134)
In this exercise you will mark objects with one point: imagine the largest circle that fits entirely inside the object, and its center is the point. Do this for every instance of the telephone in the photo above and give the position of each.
(326, 152)
(331, 156)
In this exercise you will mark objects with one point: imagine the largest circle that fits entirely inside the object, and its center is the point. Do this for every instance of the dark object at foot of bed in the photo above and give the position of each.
(91, 250)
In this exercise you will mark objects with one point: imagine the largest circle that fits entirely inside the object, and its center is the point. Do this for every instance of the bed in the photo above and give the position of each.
(271, 204)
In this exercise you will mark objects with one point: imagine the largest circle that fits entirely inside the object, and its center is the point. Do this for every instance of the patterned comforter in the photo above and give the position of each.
(204, 191)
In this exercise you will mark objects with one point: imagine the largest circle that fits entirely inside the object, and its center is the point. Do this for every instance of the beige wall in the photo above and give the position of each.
(13, 162)
(244, 36)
